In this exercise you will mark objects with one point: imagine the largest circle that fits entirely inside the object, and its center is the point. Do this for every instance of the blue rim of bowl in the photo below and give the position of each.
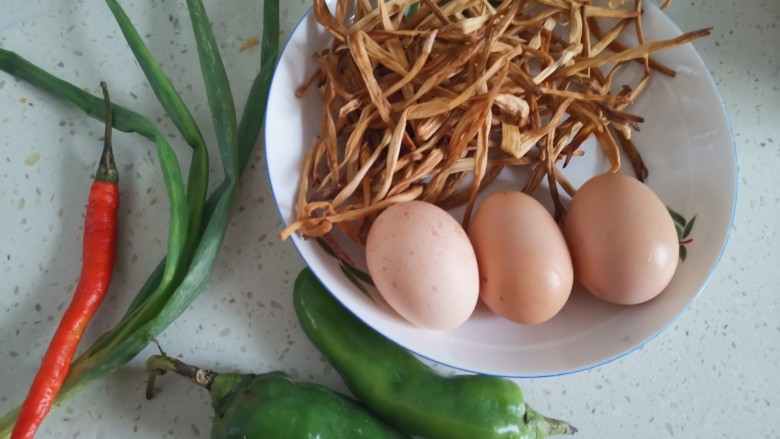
(641, 344)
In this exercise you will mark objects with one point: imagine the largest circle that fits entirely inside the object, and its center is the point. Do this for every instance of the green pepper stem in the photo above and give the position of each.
(161, 364)
(544, 426)
(557, 427)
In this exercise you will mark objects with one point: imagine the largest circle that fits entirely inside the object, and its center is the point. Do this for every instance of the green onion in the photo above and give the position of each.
(197, 186)
(196, 227)
(124, 120)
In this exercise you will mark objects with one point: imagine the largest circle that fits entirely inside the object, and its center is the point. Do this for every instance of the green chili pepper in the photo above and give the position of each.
(397, 386)
(272, 405)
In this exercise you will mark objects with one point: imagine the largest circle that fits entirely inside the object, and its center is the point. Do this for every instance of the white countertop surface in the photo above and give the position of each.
(711, 375)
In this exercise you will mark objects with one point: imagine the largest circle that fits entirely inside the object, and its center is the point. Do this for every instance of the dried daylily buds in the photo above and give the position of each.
(431, 101)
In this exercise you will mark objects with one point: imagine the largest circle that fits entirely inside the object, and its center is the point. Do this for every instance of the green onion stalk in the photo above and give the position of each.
(197, 222)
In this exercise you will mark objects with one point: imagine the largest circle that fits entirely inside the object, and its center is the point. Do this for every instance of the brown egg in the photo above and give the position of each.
(423, 264)
(524, 265)
(623, 242)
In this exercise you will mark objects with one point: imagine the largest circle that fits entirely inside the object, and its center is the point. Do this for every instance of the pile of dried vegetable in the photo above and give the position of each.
(431, 100)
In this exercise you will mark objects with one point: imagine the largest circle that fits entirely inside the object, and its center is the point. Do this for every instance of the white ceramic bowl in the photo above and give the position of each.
(687, 145)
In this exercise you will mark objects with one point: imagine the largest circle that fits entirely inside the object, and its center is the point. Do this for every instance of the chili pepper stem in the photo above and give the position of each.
(161, 364)
(107, 171)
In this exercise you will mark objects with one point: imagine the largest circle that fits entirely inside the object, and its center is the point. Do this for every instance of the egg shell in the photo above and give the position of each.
(622, 239)
(525, 269)
(423, 265)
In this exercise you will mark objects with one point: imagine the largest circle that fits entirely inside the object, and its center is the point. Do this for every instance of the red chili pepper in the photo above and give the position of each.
(99, 250)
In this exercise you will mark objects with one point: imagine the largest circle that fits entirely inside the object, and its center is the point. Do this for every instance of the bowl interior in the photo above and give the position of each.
(687, 146)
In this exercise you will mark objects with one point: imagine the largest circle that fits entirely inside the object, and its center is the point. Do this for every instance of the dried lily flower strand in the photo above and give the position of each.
(430, 101)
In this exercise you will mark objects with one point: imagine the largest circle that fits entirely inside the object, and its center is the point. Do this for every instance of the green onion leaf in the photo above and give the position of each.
(678, 218)
(124, 120)
(223, 110)
(198, 181)
(688, 227)
(362, 275)
(255, 107)
(355, 281)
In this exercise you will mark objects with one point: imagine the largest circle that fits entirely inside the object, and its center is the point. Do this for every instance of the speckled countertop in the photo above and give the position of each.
(712, 375)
